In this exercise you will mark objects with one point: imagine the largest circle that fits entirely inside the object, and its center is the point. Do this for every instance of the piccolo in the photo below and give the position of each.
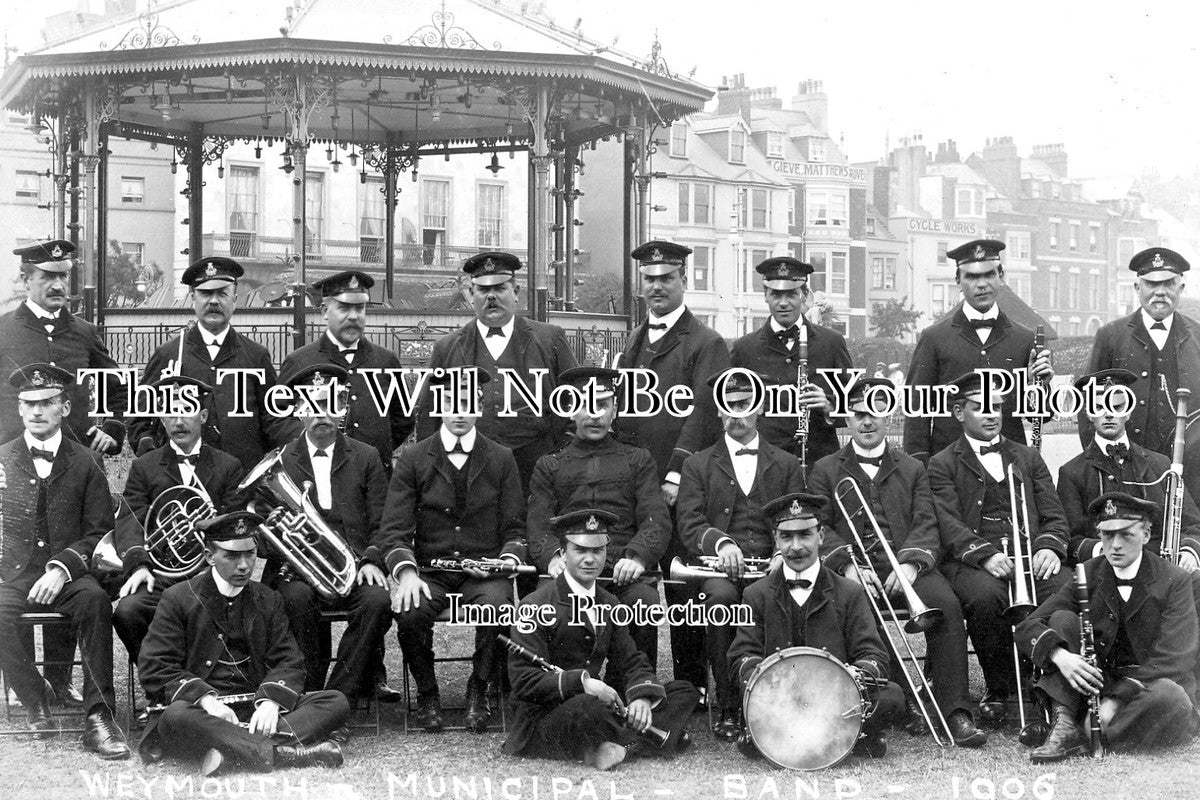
(228, 699)
(492, 566)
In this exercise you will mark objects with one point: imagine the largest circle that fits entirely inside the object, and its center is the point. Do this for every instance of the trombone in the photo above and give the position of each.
(1022, 590)
(921, 617)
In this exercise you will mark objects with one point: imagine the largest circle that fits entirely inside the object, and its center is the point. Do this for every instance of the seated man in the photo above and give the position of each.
(455, 495)
(896, 490)
(183, 461)
(807, 605)
(219, 650)
(1113, 463)
(597, 471)
(1144, 631)
(56, 507)
(721, 496)
(561, 710)
(349, 485)
(969, 480)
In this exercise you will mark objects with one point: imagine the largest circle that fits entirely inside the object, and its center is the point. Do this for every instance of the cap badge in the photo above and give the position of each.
(979, 253)
(240, 528)
(592, 523)
(210, 270)
(795, 509)
(1110, 509)
(489, 265)
(656, 255)
(57, 252)
(782, 272)
(38, 379)
(318, 379)
(353, 284)
(1158, 260)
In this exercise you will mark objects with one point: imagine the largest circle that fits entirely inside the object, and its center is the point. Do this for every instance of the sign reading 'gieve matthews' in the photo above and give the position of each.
(802, 169)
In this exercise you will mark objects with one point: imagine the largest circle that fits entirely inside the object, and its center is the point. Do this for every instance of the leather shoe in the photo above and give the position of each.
(684, 742)
(747, 747)
(142, 719)
(993, 708)
(871, 745)
(964, 732)
(429, 713)
(341, 735)
(66, 695)
(1066, 738)
(914, 723)
(604, 756)
(102, 736)
(386, 694)
(40, 720)
(728, 726)
(321, 754)
(478, 710)
(702, 700)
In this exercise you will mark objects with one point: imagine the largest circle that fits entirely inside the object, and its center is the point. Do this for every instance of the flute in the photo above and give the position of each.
(229, 700)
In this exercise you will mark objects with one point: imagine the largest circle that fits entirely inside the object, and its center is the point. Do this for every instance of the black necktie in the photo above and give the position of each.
(1125, 582)
(1117, 451)
(494, 332)
(192, 459)
(321, 454)
(37, 452)
(746, 451)
(803, 583)
(1158, 326)
(989, 448)
(658, 326)
(875, 462)
(982, 323)
(788, 334)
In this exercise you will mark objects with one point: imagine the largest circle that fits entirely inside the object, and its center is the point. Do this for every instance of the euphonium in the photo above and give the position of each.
(296, 530)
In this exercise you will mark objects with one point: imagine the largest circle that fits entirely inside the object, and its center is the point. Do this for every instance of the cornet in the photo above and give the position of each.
(711, 568)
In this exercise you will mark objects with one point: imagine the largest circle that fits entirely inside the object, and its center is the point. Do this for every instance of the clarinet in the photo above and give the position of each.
(1035, 424)
(803, 414)
(1087, 648)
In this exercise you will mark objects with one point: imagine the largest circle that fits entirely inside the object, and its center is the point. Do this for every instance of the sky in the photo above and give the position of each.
(1115, 83)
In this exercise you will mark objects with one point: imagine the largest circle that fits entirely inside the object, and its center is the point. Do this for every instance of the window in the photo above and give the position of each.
(751, 259)
(883, 272)
(28, 185)
(1055, 190)
(685, 204)
(679, 138)
(827, 207)
(817, 280)
(1054, 232)
(1125, 250)
(968, 202)
(1054, 290)
(372, 215)
(870, 226)
(1094, 292)
(737, 146)
(1019, 283)
(1073, 290)
(839, 273)
(942, 247)
(774, 144)
(701, 264)
(136, 252)
(694, 203)
(435, 199)
(242, 187)
(490, 213)
(314, 211)
(760, 210)
(1074, 241)
(791, 208)
(1094, 239)
(941, 298)
(816, 149)
(1018, 245)
(838, 204)
(133, 190)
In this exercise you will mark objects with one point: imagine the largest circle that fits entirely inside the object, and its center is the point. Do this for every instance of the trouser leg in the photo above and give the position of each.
(718, 638)
(87, 605)
(370, 615)
(17, 661)
(304, 619)
(414, 632)
(983, 599)
(132, 618)
(495, 593)
(945, 644)
(645, 637)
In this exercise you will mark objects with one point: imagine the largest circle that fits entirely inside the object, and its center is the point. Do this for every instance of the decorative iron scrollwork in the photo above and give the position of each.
(443, 33)
(146, 34)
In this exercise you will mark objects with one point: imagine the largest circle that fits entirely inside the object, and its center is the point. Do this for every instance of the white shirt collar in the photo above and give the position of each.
(210, 338)
(194, 451)
(226, 588)
(970, 313)
(777, 328)
(1103, 443)
(874, 452)
(506, 328)
(577, 587)
(809, 573)
(52, 444)
(976, 443)
(734, 445)
(1130, 572)
(338, 344)
(1148, 320)
(42, 313)
(669, 319)
(448, 439)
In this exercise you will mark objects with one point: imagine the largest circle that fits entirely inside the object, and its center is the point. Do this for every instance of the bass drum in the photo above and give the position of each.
(804, 709)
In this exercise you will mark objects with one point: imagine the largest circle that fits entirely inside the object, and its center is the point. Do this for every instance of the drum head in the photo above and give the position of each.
(803, 709)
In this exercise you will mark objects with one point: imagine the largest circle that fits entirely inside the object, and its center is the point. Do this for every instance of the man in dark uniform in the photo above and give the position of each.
(56, 506)
(183, 461)
(213, 345)
(596, 470)
(681, 351)
(971, 492)
(1112, 462)
(348, 490)
(499, 339)
(721, 496)
(1162, 348)
(976, 334)
(805, 605)
(345, 299)
(455, 495)
(560, 710)
(773, 352)
(219, 651)
(1144, 632)
(897, 493)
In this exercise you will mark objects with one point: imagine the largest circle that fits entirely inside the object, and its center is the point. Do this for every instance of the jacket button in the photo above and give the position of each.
(1144, 373)
(457, 554)
(356, 424)
(447, 511)
(353, 397)
(978, 502)
(458, 528)
(983, 352)
(49, 338)
(208, 663)
(32, 480)
(788, 361)
(727, 511)
(41, 544)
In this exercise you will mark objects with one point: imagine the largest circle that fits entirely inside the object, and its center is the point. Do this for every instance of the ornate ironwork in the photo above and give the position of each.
(655, 64)
(443, 33)
(299, 97)
(146, 34)
(211, 149)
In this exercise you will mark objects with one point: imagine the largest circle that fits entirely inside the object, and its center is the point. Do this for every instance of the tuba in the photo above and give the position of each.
(174, 546)
(296, 530)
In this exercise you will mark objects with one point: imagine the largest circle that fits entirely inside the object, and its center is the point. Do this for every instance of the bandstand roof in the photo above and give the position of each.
(418, 70)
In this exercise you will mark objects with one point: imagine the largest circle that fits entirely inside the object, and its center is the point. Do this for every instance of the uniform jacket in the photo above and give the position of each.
(1161, 611)
(363, 421)
(247, 439)
(904, 495)
(688, 355)
(78, 508)
(1092, 473)
(616, 477)
(1126, 343)
(357, 486)
(763, 352)
(421, 520)
(151, 475)
(837, 618)
(578, 650)
(75, 344)
(950, 348)
(534, 345)
(956, 478)
(708, 489)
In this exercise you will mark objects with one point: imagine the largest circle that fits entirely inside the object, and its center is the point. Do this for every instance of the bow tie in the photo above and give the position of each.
(982, 323)
(37, 452)
(348, 351)
(458, 448)
(1125, 582)
(747, 451)
(1117, 451)
(803, 583)
(1158, 326)
(875, 462)
(788, 334)
(192, 459)
(658, 326)
(321, 454)
(494, 332)
(989, 448)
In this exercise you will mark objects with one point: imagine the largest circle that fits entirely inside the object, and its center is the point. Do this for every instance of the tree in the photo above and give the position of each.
(595, 290)
(124, 273)
(894, 319)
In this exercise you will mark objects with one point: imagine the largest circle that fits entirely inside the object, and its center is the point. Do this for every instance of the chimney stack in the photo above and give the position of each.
(811, 99)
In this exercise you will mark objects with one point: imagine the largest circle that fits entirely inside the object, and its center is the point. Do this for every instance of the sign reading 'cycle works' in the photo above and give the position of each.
(802, 169)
